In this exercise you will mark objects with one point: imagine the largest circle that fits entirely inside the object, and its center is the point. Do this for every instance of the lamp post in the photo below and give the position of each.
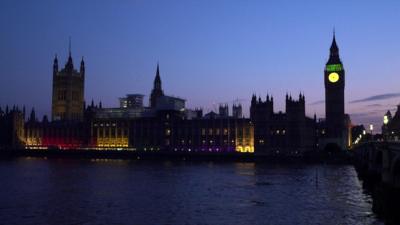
(385, 129)
(371, 128)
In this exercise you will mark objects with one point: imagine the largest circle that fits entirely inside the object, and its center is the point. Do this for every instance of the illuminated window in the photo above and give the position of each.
(225, 131)
(217, 132)
(167, 132)
(210, 132)
(203, 131)
(283, 131)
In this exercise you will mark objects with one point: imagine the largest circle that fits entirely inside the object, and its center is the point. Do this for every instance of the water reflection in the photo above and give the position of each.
(37, 191)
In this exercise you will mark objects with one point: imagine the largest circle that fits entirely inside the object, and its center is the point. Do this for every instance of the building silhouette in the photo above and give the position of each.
(68, 91)
(289, 133)
(391, 125)
(336, 124)
(157, 91)
(166, 124)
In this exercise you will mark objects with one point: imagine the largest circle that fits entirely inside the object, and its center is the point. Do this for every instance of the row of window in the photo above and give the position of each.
(62, 95)
(63, 115)
(110, 132)
(37, 133)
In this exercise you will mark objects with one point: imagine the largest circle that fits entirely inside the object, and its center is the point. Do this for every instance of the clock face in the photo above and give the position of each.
(333, 77)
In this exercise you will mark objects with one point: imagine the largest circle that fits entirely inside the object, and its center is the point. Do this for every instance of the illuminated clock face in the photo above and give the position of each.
(333, 77)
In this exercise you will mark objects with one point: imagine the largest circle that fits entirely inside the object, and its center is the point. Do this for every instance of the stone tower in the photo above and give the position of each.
(334, 77)
(68, 91)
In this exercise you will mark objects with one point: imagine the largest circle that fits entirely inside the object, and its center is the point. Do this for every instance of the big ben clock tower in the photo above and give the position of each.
(334, 77)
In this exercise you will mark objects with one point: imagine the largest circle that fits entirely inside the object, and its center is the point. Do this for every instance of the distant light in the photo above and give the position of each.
(385, 120)
(371, 127)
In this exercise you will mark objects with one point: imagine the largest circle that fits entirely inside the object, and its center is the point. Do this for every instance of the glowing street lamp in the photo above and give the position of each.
(371, 128)
(384, 129)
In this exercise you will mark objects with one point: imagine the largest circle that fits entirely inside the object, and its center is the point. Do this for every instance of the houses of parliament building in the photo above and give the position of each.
(166, 124)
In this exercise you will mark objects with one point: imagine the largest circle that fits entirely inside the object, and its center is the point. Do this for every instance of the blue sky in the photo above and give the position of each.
(209, 52)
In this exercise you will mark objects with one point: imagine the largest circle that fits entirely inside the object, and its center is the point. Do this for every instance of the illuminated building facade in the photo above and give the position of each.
(166, 125)
(171, 130)
(55, 134)
(289, 133)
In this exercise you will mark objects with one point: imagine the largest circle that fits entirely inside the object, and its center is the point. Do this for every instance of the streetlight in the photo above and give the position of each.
(371, 128)
(385, 128)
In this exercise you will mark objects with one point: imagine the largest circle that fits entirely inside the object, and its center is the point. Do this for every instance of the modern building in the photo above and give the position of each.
(131, 101)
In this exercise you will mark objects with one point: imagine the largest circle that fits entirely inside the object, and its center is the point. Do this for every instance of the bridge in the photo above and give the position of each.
(378, 165)
(379, 162)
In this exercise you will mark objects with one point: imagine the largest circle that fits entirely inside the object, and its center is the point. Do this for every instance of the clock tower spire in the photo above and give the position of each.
(334, 77)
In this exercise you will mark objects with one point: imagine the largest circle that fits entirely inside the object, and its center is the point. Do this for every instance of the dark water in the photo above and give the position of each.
(39, 191)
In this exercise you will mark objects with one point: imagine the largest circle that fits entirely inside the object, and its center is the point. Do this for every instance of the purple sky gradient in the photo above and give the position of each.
(210, 52)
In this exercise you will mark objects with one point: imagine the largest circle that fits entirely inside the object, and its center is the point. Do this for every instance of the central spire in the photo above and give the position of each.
(334, 51)
(334, 47)
(70, 65)
(157, 91)
(157, 79)
(69, 46)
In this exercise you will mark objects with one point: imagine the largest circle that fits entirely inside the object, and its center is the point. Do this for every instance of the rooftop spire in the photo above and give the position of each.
(334, 46)
(55, 65)
(157, 80)
(158, 70)
(69, 46)
(70, 65)
(334, 51)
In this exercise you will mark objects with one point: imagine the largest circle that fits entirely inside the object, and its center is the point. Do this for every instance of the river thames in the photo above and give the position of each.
(71, 191)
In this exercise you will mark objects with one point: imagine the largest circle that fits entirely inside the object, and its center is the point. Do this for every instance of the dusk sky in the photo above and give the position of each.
(209, 52)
